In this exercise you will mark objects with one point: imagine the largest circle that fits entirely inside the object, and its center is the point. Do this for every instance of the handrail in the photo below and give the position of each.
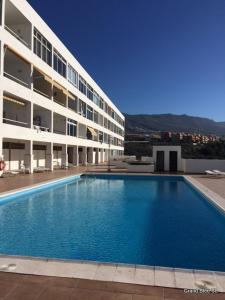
(59, 132)
(40, 92)
(15, 121)
(16, 36)
(42, 128)
(16, 79)
(60, 103)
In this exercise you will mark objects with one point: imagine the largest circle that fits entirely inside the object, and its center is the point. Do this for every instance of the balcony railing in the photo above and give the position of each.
(41, 128)
(16, 79)
(41, 93)
(10, 30)
(6, 120)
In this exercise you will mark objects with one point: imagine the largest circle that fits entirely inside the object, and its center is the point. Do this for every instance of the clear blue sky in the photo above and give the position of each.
(149, 56)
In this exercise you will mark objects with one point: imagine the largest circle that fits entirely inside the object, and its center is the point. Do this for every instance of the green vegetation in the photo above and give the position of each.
(214, 150)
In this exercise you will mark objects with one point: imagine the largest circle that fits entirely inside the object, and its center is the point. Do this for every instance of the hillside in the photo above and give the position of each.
(170, 122)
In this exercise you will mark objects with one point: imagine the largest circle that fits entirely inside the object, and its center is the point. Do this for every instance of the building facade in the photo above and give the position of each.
(52, 113)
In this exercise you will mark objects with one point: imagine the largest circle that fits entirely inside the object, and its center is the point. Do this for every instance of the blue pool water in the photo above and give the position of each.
(126, 219)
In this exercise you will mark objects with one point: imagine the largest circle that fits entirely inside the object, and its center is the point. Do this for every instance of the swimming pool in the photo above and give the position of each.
(145, 220)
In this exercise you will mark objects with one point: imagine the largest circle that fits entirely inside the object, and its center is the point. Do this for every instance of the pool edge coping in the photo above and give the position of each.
(42, 184)
(156, 276)
(211, 196)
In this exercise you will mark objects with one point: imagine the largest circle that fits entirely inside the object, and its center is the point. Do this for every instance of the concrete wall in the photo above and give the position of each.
(147, 158)
(140, 168)
(201, 165)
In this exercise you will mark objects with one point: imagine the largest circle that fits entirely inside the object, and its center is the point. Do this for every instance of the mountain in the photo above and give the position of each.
(170, 122)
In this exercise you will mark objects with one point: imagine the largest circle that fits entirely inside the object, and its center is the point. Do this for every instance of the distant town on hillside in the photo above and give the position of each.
(199, 137)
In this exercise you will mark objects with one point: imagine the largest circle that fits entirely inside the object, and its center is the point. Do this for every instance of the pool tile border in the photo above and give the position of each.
(118, 273)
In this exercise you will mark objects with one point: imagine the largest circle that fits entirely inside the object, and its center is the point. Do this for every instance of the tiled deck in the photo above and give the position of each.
(25, 180)
(29, 287)
(103, 281)
(215, 184)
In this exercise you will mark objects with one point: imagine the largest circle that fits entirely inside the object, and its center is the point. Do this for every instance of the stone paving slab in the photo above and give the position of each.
(214, 197)
(117, 273)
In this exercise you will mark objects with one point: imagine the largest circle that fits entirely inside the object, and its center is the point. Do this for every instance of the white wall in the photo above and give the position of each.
(147, 158)
(140, 168)
(17, 158)
(57, 158)
(201, 165)
(39, 158)
(167, 150)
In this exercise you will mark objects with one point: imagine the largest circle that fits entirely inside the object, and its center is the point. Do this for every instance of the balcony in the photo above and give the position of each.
(41, 119)
(17, 24)
(42, 84)
(59, 124)
(59, 94)
(16, 111)
(16, 68)
(92, 134)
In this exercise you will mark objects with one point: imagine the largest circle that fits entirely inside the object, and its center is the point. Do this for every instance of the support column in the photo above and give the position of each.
(31, 113)
(90, 155)
(97, 156)
(1, 107)
(28, 157)
(49, 156)
(101, 154)
(84, 156)
(64, 156)
(75, 156)
(106, 154)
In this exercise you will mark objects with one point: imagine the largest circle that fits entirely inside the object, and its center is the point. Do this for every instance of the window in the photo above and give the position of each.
(0, 12)
(96, 98)
(100, 136)
(42, 47)
(95, 116)
(72, 103)
(82, 131)
(105, 123)
(59, 63)
(82, 108)
(72, 75)
(71, 127)
(89, 113)
(101, 103)
(100, 119)
(105, 138)
(82, 85)
(89, 92)
(106, 107)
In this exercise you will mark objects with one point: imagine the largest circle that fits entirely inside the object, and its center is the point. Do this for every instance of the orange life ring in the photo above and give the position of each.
(2, 165)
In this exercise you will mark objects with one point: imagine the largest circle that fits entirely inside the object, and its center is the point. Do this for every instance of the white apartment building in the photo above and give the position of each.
(52, 113)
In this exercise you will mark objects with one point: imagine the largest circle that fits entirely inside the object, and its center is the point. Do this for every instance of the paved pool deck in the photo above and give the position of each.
(25, 278)
(27, 287)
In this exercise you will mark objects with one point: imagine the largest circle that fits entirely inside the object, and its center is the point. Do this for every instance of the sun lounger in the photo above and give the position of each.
(208, 172)
(215, 174)
(41, 169)
(9, 173)
(219, 172)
